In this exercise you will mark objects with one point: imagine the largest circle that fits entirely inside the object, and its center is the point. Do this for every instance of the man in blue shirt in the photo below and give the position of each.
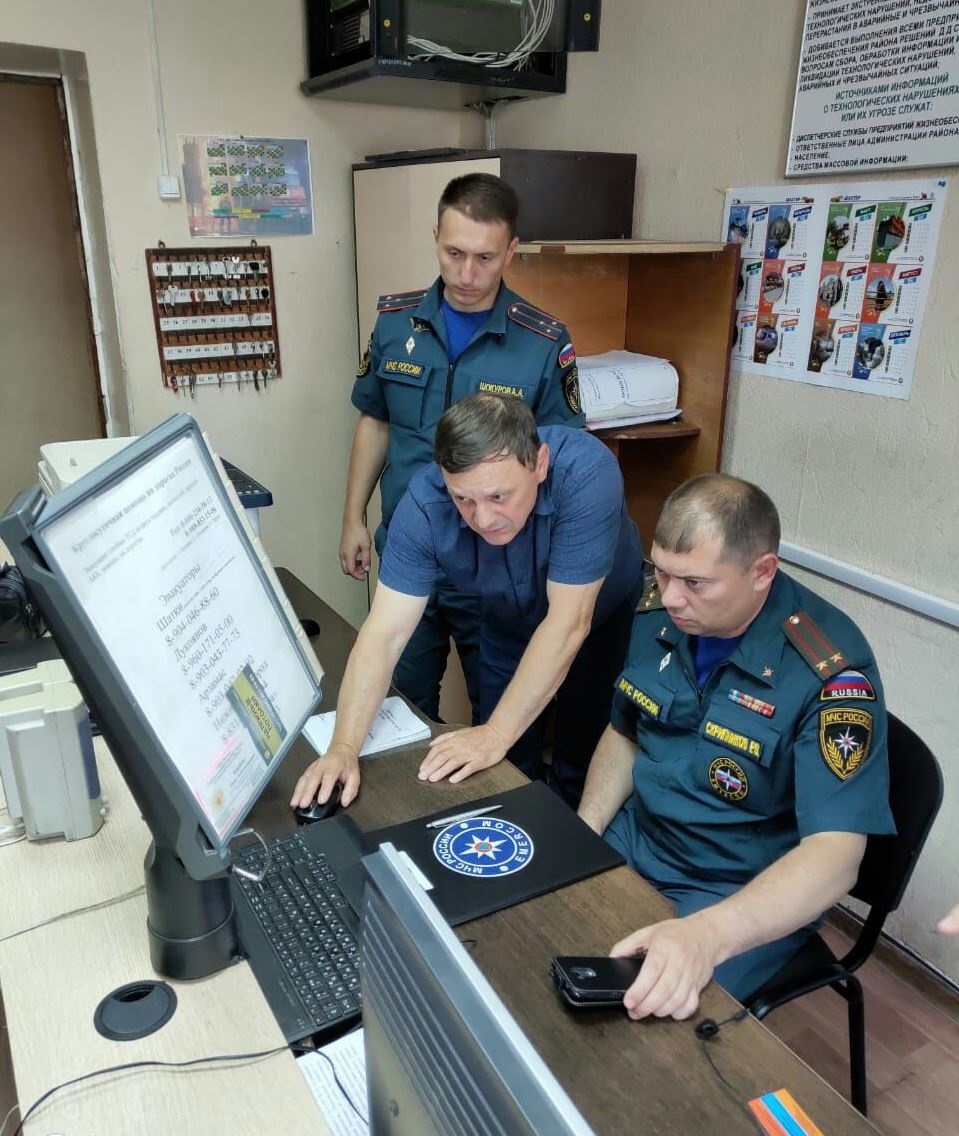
(534, 523)
(429, 349)
(745, 761)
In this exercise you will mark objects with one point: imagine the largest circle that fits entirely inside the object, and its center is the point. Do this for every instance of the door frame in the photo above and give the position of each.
(78, 208)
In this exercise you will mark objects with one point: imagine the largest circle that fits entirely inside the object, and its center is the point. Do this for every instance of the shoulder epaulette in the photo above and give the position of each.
(534, 320)
(397, 301)
(651, 600)
(822, 655)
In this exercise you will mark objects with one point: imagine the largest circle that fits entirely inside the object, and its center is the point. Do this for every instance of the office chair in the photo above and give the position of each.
(915, 794)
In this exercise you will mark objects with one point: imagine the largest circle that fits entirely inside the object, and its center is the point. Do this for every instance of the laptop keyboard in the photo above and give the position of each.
(304, 914)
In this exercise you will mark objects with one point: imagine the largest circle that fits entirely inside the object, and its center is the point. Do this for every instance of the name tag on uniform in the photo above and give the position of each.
(486, 387)
(734, 740)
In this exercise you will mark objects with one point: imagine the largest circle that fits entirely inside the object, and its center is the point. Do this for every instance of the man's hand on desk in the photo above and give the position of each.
(339, 763)
(460, 754)
(681, 956)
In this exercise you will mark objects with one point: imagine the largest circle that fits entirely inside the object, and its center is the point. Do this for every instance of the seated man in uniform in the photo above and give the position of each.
(534, 523)
(428, 350)
(745, 760)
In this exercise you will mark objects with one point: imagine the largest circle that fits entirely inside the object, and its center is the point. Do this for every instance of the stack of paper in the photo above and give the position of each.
(621, 388)
(395, 724)
(336, 1074)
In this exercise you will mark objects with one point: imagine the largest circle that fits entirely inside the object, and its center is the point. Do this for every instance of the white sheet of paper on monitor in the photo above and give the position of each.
(158, 566)
(394, 725)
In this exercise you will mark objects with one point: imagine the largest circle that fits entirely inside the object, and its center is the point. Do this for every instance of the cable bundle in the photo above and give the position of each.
(537, 21)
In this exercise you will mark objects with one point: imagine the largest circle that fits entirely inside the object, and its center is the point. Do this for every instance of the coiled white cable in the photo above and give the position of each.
(537, 19)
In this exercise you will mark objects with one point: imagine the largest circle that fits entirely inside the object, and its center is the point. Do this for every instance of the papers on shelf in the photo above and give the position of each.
(346, 1057)
(620, 388)
(395, 724)
(635, 420)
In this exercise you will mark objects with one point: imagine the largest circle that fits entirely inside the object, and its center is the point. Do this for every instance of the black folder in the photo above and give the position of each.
(563, 849)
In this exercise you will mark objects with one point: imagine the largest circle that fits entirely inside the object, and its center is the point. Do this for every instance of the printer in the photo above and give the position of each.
(61, 463)
(47, 765)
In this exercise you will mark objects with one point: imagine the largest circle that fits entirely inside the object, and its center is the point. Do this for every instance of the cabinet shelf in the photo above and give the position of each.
(671, 299)
(646, 431)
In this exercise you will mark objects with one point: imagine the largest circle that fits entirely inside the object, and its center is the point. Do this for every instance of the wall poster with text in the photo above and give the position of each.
(877, 87)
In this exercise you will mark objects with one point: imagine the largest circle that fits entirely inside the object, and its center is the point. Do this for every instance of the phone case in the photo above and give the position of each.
(587, 982)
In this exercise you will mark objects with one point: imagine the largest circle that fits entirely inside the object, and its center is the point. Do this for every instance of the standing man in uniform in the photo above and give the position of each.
(536, 524)
(745, 761)
(468, 333)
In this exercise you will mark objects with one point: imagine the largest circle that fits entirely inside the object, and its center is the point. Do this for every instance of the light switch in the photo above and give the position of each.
(169, 186)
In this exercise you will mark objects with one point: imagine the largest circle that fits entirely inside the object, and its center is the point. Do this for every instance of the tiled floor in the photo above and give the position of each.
(912, 1051)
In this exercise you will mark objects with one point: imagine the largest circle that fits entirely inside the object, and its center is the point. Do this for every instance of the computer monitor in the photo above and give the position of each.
(444, 1057)
(180, 644)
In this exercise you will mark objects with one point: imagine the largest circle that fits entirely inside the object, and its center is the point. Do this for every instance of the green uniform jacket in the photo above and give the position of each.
(787, 739)
(406, 377)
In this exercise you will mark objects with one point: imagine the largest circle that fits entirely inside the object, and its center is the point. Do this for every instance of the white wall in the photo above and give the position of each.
(236, 70)
(702, 92)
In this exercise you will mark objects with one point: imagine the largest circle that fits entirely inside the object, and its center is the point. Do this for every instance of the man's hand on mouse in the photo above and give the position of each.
(341, 764)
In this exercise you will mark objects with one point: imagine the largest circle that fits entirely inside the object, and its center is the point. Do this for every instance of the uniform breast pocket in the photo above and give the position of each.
(404, 387)
(652, 701)
(741, 732)
(510, 386)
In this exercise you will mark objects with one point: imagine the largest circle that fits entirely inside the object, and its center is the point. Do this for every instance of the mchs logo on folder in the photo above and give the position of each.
(528, 843)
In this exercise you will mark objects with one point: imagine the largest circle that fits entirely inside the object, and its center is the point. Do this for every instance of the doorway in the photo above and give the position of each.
(49, 376)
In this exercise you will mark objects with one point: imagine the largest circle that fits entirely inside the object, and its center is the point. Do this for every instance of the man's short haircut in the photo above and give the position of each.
(739, 513)
(485, 426)
(481, 197)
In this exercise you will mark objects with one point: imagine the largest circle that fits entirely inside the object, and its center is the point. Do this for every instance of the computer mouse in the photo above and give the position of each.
(316, 811)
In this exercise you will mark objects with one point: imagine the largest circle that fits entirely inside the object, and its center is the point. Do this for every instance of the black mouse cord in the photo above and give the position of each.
(706, 1030)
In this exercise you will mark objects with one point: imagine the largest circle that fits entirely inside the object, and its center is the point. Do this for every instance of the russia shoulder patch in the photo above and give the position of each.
(567, 356)
(848, 685)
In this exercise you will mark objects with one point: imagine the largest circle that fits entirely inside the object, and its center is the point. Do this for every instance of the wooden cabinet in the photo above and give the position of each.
(562, 194)
(670, 299)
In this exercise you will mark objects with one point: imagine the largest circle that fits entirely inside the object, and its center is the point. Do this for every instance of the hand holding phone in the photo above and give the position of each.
(587, 982)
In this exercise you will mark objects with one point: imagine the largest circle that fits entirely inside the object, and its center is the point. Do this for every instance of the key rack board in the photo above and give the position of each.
(215, 315)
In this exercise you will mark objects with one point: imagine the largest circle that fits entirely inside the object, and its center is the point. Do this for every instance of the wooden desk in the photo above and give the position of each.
(625, 1077)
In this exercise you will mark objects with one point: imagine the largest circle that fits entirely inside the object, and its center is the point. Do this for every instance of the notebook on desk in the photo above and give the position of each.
(527, 843)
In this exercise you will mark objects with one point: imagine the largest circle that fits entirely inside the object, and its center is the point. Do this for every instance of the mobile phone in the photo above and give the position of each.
(587, 982)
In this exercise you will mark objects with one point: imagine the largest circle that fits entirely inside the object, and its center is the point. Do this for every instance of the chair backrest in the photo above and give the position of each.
(915, 794)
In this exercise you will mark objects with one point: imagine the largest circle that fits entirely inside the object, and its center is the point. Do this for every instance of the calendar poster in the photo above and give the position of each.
(833, 280)
(247, 187)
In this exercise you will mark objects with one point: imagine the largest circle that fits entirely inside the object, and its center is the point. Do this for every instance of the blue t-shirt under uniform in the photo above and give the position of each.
(578, 531)
(709, 652)
(461, 327)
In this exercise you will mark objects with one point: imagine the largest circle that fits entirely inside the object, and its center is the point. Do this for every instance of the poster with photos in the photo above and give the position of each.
(247, 187)
(834, 280)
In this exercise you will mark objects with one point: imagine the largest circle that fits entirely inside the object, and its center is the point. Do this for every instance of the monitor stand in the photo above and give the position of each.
(190, 922)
